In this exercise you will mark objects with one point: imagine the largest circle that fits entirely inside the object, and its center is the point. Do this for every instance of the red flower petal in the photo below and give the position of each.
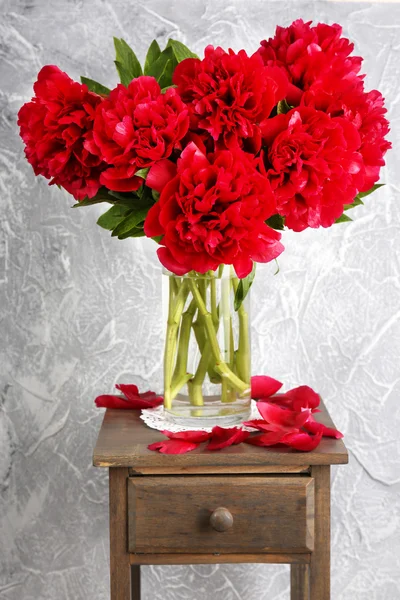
(189, 436)
(128, 389)
(133, 399)
(281, 416)
(109, 401)
(302, 441)
(262, 425)
(168, 261)
(221, 438)
(263, 386)
(303, 397)
(314, 427)
(160, 174)
(173, 446)
(144, 400)
(266, 439)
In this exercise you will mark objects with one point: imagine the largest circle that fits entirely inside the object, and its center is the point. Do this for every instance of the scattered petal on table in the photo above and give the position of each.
(132, 393)
(282, 416)
(266, 439)
(263, 386)
(109, 401)
(173, 446)
(313, 427)
(262, 425)
(221, 438)
(189, 436)
(302, 441)
(303, 397)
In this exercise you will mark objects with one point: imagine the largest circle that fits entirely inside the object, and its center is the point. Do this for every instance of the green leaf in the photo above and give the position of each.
(157, 68)
(155, 195)
(368, 192)
(142, 173)
(277, 267)
(101, 196)
(283, 107)
(276, 222)
(130, 222)
(181, 51)
(126, 62)
(112, 217)
(95, 87)
(135, 232)
(343, 219)
(356, 202)
(165, 79)
(153, 53)
(243, 288)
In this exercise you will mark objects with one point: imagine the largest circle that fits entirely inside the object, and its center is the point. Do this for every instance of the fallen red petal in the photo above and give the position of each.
(109, 401)
(262, 425)
(222, 438)
(266, 439)
(144, 400)
(189, 436)
(263, 386)
(282, 416)
(128, 389)
(303, 397)
(138, 403)
(173, 446)
(314, 427)
(302, 441)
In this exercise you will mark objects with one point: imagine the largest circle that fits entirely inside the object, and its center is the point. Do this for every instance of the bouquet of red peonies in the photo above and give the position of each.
(212, 157)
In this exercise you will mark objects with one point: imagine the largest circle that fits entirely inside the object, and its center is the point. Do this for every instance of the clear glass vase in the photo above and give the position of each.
(207, 349)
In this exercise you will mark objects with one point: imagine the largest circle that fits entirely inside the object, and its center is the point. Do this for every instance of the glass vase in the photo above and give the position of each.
(207, 349)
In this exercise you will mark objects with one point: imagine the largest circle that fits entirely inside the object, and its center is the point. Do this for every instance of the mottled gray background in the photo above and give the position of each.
(79, 312)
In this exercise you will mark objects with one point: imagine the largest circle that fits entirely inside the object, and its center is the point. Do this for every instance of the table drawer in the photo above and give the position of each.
(220, 514)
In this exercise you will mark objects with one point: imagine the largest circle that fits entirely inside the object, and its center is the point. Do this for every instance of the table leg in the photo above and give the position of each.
(320, 567)
(299, 582)
(135, 581)
(120, 575)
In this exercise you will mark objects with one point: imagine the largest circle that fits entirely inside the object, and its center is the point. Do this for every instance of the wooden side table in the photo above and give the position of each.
(243, 504)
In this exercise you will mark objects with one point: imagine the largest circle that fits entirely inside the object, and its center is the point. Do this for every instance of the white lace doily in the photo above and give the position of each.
(155, 418)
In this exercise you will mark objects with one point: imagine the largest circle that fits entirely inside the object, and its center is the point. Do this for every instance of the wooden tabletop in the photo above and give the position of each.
(124, 437)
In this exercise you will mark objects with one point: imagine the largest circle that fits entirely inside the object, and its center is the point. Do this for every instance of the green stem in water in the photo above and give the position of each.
(180, 371)
(242, 359)
(176, 304)
(220, 366)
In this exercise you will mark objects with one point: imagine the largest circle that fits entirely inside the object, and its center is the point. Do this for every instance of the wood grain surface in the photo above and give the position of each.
(219, 559)
(123, 441)
(172, 514)
(120, 580)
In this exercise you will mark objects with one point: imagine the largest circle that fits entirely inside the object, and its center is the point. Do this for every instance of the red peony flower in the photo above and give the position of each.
(346, 98)
(212, 212)
(229, 94)
(135, 127)
(314, 166)
(306, 53)
(54, 127)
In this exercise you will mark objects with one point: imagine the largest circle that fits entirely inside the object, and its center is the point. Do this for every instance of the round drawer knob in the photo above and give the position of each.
(221, 519)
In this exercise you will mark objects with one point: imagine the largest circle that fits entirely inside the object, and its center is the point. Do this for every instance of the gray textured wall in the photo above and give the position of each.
(79, 312)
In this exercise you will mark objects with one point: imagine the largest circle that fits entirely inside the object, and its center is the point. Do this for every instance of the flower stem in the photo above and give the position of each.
(176, 304)
(183, 347)
(243, 352)
(220, 366)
